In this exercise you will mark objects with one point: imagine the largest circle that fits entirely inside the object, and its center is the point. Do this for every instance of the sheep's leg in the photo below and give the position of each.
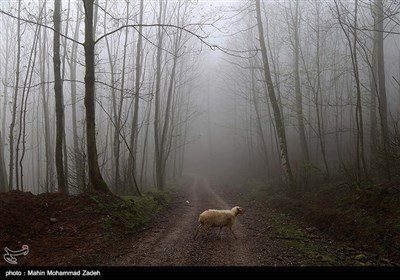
(233, 232)
(207, 229)
(219, 234)
(197, 231)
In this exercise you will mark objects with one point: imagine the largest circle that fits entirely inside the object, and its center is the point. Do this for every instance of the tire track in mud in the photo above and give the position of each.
(209, 250)
(170, 241)
(163, 243)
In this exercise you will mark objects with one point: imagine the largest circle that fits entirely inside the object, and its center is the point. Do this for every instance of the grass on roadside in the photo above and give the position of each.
(130, 214)
(367, 218)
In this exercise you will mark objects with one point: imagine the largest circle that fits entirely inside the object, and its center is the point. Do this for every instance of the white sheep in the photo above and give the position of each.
(218, 218)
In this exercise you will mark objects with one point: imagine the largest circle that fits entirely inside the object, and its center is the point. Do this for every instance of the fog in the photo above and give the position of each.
(193, 91)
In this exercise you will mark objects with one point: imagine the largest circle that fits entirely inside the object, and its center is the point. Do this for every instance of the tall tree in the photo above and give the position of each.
(379, 19)
(297, 84)
(3, 172)
(274, 103)
(15, 99)
(65, 148)
(360, 154)
(95, 178)
(138, 71)
(48, 144)
(256, 103)
(374, 94)
(77, 154)
(58, 93)
(24, 104)
(5, 79)
(157, 110)
(114, 106)
(121, 103)
(318, 97)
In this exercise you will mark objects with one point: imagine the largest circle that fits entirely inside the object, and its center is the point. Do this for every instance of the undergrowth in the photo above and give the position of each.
(366, 216)
(130, 214)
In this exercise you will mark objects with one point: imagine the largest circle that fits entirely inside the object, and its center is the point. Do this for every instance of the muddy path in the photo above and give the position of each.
(169, 242)
(265, 236)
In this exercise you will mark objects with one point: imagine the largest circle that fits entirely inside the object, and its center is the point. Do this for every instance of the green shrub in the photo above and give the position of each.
(129, 213)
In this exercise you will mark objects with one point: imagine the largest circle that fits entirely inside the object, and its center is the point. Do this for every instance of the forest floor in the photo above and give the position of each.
(265, 236)
(79, 229)
(77, 235)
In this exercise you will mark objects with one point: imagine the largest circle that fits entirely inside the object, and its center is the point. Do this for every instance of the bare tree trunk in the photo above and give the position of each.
(277, 114)
(32, 143)
(22, 113)
(157, 112)
(39, 125)
(373, 96)
(3, 172)
(167, 117)
(119, 112)
(274, 61)
(5, 82)
(116, 141)
(299, 98)
(15, 100)
(65, 149)
(96, 180)
(47, 143)
(135, 130)
(338, 96)
(95, 17)
(398, 82)
(184, 139)
(382, 104)
(258, 119)
(359, 105)
(360, 158)
(79, 170)
(175, 120)
(144, 154)
(318, 99)
(24, 102)
(58, 92)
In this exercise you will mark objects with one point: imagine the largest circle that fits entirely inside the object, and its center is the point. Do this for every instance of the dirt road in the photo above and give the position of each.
(170, 240)
(265, 237)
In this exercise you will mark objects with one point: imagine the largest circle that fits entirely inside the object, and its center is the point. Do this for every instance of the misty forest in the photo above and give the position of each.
(122, 121)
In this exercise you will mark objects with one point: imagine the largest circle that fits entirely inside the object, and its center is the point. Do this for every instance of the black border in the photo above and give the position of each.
(239, 272)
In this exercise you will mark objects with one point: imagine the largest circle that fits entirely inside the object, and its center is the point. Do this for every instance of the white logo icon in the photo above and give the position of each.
(10, 255)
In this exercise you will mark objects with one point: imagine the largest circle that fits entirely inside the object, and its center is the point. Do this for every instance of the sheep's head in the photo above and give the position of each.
(238, 210)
